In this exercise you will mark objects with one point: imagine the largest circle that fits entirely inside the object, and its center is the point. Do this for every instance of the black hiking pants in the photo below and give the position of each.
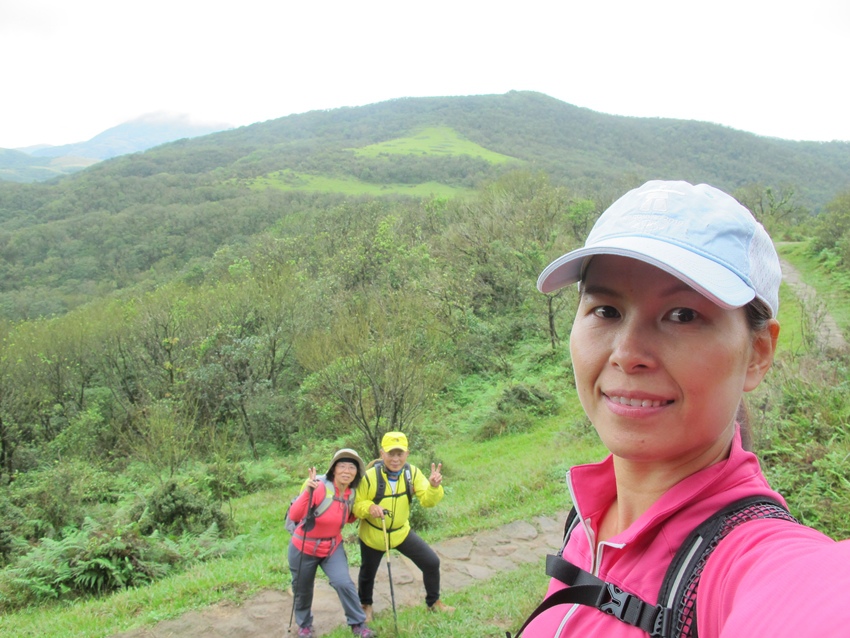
(415, 549)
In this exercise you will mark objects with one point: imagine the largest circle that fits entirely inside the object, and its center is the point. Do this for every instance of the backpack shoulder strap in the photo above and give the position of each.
(408, 482)
(675, 613)
(381, 484)
(678, 591)
(587, 589)
(322, 507)
(330, 497)
(570, 524)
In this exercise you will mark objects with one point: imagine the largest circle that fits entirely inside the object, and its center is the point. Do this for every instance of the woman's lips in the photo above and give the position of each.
(638, 402)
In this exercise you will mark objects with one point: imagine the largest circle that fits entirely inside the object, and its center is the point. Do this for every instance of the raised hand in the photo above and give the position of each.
(436, 477)
(312, 481)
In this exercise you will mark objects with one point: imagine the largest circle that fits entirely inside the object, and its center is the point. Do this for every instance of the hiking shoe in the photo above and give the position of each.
(441, 607)
(363, 631)
(306, 632)
(367, 609)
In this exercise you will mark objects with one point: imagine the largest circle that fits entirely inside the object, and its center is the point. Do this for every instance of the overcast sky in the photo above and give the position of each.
(73, 68)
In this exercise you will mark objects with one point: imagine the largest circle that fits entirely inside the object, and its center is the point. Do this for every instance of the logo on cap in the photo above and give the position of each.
(394, 441)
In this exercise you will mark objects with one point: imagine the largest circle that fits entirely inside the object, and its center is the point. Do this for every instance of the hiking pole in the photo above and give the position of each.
(307, 524)
(389, 569)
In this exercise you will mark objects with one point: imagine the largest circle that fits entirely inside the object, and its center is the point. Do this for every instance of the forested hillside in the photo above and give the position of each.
(141, 219)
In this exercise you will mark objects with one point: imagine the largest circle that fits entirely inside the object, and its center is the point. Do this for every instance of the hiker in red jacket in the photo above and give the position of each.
(321, 511)
(676, 321)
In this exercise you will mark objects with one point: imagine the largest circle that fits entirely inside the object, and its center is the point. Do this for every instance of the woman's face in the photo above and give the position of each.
(344, 473)
(660, 369)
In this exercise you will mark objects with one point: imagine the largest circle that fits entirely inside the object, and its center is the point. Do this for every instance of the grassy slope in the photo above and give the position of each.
(434, 141)
(438, 140)
(527, 471)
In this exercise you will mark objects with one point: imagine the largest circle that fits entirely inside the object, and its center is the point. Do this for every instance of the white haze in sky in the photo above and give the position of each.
(73, 68)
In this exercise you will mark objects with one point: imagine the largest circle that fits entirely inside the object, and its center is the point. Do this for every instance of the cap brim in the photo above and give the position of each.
(708, 277)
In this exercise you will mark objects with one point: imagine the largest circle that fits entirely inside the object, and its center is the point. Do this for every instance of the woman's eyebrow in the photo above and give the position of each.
(676, 287)
(598, 289)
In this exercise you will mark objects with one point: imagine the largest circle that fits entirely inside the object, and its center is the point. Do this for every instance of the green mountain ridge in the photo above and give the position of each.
(577, 146)
(45, 162)
(144, 217)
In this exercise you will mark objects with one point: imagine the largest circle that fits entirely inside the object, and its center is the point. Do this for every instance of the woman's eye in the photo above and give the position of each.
(683, 315)
(606, 312)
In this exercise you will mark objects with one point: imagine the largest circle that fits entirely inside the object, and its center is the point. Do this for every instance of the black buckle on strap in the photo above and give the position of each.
(617, 603)
(653, 619)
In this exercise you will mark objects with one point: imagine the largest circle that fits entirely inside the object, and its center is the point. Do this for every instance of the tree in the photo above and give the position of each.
(831, 228)
(164, 437)
(379, 361)
(775, 208)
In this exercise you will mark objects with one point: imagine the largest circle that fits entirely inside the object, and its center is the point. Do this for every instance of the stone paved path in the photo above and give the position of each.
(464, 561)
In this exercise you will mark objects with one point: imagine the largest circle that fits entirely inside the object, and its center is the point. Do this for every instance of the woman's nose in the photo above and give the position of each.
(632, 348)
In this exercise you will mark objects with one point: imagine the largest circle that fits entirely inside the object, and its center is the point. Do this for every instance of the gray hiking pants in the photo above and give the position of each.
(303, 571)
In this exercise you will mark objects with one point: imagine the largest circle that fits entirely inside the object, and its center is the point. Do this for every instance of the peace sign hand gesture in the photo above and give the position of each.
(436, 477)
(312, 481)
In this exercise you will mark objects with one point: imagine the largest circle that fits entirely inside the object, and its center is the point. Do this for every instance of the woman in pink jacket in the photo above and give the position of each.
(321, 511)
(678, 296)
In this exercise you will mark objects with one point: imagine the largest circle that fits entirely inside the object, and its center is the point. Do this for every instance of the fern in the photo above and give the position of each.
(95, 561)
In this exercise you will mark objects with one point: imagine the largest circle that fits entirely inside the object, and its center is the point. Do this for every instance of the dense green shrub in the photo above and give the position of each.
(95, 560)
(11, 520)
(59, 496)
(231, 479)
(176, 507)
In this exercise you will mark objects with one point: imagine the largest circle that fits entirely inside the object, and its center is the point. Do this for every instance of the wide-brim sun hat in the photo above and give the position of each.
(347, 454)
(698, 234)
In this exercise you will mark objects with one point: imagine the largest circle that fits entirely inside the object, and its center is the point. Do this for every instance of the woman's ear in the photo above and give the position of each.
(762, 352)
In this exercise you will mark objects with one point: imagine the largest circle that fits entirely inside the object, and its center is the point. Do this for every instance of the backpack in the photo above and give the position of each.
(675, 613)
(313, 512)
(381, 487)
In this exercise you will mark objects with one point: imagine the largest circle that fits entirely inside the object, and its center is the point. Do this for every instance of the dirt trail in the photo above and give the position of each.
(464, 560)
(829, 334)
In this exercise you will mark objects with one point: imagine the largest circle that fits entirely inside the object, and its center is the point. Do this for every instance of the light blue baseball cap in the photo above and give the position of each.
(698, 234)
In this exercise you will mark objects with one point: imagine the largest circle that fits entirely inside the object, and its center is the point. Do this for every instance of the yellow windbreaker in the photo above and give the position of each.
(398, 520)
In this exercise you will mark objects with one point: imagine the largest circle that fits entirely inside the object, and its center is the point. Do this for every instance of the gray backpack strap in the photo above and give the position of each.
(679, 589)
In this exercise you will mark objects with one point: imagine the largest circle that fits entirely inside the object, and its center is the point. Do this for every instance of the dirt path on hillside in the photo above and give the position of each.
(463, 561)
(828, 333)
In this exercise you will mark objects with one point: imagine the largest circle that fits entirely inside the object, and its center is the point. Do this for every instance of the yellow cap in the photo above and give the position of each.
(394, 441)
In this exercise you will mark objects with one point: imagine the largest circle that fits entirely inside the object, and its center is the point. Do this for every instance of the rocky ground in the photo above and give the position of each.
(464, 560)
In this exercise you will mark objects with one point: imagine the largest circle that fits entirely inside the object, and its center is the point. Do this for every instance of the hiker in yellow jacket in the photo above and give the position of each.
(386, 492)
